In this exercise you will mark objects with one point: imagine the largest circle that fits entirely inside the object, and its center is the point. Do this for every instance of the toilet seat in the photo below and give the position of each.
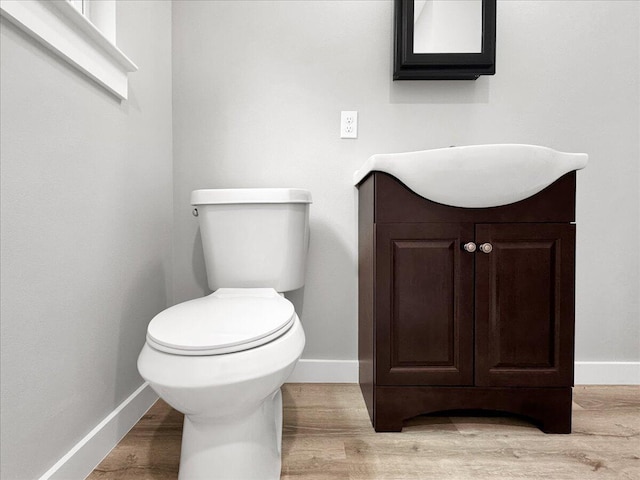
(229, 320)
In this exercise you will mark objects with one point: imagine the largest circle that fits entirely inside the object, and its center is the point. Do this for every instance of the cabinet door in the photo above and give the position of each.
(525, 305)
(424, 304)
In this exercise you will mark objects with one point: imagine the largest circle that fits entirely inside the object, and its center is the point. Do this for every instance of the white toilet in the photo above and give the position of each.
(222, 359)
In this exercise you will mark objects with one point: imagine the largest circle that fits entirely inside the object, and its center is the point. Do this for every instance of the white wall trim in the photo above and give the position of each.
(346, 371)
(80, 461)
(325, 371)
(607, 373)
(65, 31)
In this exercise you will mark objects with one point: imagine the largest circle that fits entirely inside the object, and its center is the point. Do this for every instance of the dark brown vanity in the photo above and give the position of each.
(466, 308)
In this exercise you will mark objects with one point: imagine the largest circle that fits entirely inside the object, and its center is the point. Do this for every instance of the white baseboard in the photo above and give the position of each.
(346, 371)
(607, 373)
(325, 371)
(80, 461)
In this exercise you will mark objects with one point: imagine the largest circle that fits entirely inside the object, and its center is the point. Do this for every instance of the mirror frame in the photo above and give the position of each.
(442, 66)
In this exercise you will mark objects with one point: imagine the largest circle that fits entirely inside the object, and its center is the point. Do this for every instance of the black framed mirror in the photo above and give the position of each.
(444, 39)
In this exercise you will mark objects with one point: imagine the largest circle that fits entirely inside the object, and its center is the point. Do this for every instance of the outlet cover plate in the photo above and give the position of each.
(349, 124)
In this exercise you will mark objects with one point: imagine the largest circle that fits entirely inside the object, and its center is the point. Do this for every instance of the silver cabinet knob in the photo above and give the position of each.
(469, 247)
(486, 248)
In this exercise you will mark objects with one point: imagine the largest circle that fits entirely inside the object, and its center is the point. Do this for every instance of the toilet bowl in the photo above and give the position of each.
(231, 401)
(221, 359)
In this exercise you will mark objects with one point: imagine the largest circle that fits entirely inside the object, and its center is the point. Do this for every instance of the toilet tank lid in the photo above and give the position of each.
(214, 196)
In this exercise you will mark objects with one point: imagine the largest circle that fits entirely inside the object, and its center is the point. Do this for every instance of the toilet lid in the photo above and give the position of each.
(229, 320)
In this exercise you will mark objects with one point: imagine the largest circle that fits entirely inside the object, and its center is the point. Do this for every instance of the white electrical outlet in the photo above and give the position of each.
(349, 124)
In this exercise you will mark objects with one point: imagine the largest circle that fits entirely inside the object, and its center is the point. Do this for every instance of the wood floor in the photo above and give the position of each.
(327, 435)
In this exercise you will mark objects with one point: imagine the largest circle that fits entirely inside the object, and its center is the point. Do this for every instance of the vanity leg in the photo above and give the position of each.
(388, 424)
(557, 417)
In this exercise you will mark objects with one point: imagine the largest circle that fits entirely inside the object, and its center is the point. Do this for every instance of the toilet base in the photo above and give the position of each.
(245, 447)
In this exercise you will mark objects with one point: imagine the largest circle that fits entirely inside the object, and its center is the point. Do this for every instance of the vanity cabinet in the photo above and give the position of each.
(466, 308)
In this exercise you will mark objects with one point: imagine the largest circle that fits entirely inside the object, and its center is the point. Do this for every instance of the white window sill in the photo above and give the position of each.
(64, 30)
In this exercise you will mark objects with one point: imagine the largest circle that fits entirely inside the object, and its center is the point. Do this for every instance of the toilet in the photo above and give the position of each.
(222, 359)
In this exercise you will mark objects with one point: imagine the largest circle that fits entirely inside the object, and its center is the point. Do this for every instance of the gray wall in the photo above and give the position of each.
(258, 88)
(86, 235)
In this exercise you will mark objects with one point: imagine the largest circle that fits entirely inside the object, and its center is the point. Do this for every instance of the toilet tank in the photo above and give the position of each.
(254, 237)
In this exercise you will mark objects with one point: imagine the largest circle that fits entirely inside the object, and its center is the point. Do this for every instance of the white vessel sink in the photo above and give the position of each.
(476, 176)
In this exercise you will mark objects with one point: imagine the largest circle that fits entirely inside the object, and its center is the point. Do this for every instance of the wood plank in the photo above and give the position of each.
(327, 437)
